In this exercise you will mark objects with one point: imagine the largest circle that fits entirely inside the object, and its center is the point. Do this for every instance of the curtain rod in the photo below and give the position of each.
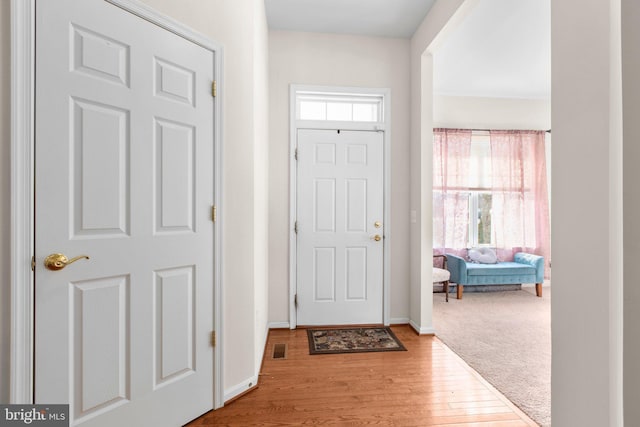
(489, 130)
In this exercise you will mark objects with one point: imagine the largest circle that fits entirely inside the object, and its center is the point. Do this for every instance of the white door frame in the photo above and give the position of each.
(23, 181)
(385, 127)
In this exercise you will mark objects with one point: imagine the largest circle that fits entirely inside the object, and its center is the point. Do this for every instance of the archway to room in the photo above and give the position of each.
(492, 72)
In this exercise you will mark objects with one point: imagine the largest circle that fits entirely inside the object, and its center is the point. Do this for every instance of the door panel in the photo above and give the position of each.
(124, 175)
(174, 168)
(339, 199)
(100, 310)
(100, 165)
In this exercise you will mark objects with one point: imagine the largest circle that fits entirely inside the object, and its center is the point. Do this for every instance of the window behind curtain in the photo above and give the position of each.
(451, 166)
(480, 197)
(501, 186)
(462, 190)
(520, 211)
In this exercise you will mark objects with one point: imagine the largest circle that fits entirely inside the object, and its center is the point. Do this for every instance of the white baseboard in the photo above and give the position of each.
(422, 330)
(279, 325)
(399, 321)
(238, 389)
(248, 384)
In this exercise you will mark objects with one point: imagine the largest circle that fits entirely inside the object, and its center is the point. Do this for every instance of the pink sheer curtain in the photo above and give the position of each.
(520, 202)
(451, 152)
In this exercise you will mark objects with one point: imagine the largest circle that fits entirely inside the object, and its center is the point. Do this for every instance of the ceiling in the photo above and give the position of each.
(384, 18)
(502, 48)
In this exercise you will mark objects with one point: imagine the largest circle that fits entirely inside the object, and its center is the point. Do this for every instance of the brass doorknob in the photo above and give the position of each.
(377, 224)
(59, 261)
(377, 238)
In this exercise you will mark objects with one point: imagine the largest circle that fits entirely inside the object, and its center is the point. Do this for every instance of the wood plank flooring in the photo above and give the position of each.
(428, 385)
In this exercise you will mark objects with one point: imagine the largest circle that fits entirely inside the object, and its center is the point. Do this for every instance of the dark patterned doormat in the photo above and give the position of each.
(352, 340)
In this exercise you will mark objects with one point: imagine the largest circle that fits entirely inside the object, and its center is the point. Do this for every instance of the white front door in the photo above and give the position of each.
(339, 220)
(124, 175)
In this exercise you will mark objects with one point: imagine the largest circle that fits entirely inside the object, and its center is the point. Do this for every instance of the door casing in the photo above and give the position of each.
(385, 127)
(23, 180)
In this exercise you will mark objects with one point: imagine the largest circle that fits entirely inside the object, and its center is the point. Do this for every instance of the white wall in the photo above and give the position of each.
(631, 90)
(437, 22)
(616, 219)
(261, 179)
(5, 196)
(337, 60)
(490, 113)
(585, 377)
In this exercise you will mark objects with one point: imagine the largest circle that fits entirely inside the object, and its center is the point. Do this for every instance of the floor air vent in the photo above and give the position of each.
(279, 351)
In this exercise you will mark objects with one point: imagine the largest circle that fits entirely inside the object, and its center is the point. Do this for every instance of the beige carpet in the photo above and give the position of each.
(506, 337)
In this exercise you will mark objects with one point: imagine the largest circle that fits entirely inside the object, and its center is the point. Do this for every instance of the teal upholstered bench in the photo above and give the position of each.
(525, 268)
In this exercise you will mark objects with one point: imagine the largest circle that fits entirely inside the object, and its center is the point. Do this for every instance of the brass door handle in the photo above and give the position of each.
(377, 238)
(59, 261)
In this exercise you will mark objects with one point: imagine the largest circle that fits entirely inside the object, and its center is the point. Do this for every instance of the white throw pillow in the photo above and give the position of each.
(483, 255)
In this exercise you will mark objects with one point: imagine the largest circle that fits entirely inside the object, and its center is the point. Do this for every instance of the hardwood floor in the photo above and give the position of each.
(428, 385)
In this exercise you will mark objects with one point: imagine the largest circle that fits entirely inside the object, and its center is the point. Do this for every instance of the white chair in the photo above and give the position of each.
(442, 275)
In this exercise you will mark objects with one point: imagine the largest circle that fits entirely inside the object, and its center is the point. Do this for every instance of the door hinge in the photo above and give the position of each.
(295, 227)
(213, 338)
(295, 154)
(214, 88)
(295, 300)
(33, 263)
(214, 213)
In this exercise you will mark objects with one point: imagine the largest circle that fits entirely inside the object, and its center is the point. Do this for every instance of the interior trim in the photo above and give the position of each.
(385, 128)
(22, 174)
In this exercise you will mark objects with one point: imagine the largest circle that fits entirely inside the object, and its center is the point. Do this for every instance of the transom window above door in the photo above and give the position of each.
(341, 107)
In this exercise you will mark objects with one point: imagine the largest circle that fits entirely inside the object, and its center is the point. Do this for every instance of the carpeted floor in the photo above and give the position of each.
(506, 337)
